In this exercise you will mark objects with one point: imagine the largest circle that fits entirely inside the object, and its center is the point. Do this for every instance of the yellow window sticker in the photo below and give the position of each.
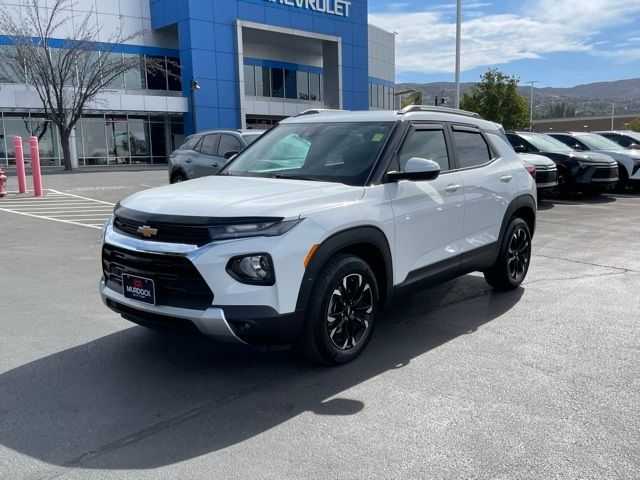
(377, 137)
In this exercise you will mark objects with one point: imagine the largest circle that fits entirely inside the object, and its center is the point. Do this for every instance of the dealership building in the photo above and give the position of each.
(228, 64)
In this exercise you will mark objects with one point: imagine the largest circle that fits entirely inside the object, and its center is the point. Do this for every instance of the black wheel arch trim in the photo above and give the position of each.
(522, 201)
(340, 241)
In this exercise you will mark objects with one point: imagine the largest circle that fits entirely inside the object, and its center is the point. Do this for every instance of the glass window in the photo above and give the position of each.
(7, 74)
(370, 95)
(314, 87)
(229, 143)
(135, 79)
(380, 96)
(112, 61)
(263, 82)
(191, 143)
(17, 126)
(386, 98)
(333, 152)
(158, 142)
(3, 153)
(303, 85)
(177, 134)
(156, 73)
(277, 82)
(543, 143)
(209, 145)
(118, 141)
(47, 141)
(427, 144)
(596, 142)
(290, 81)
(95, 141)
(249, 81)
(139, 140)
(249, 138)
(471, 148)
(569, 141)
(174, 75)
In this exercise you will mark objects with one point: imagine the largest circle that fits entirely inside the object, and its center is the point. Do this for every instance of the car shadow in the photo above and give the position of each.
(581, 199)
(137, 399)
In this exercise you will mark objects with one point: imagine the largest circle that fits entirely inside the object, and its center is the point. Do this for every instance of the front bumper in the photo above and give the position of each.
(210, 322)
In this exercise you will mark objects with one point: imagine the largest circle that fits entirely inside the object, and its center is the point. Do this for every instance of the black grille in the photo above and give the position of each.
(169, 233)
(177, 281)
(606, 173)
(546, 176)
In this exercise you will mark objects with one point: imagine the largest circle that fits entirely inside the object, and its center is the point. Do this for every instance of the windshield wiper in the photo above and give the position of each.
(295, 177)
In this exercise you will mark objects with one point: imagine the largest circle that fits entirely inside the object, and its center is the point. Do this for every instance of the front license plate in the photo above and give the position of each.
(139, 288)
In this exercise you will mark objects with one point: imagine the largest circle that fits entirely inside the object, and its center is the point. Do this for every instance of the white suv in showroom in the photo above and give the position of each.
(324, 220)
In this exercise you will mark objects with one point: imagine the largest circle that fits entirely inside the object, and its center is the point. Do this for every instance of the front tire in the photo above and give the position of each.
(341, 311)
(512, 264)
(178, 177)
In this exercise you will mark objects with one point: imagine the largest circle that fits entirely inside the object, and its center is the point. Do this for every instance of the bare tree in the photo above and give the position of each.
(70, 77)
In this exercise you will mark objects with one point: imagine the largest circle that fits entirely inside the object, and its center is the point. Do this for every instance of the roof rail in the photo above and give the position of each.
(314, 111)
(427, 108)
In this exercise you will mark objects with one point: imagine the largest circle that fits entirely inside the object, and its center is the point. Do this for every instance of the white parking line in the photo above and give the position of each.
(61, 207)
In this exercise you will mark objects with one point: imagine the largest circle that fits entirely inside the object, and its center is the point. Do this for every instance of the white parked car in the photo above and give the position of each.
(546, 171)
(324, 220)
(628, 160)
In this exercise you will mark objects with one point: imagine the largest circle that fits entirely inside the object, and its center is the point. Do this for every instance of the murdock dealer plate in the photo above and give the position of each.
(139, 288)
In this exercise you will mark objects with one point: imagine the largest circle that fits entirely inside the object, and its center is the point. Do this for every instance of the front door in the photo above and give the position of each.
(429, 215)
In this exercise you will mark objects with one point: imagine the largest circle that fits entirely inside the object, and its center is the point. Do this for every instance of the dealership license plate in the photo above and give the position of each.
(139, 288)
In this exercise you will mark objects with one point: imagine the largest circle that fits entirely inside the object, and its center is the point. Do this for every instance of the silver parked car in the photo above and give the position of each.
(205, 153)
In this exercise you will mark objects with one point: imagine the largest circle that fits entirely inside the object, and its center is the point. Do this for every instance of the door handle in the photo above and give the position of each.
(215, 164)
(506, 178)
(188, 160)
(452, 188)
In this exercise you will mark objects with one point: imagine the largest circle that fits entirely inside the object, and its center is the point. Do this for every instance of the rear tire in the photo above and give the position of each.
(623, 184)
(178, 177)
(341, 312)
(514, 258)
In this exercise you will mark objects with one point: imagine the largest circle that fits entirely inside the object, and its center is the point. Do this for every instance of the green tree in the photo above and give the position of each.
(496, 98)
(559, 110)
(635, 125)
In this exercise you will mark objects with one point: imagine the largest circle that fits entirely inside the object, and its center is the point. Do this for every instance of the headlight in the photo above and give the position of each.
(105, 226)
(262, 229)
(255, 269)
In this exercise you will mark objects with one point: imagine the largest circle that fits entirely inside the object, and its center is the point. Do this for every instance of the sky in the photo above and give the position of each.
(560, 43)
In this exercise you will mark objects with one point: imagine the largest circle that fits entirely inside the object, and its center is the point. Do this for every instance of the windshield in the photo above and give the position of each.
(329, 152)
(597, 142)
(545, 143)
(251, 137)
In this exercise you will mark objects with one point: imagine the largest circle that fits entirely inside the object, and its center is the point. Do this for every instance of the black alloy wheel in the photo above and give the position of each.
(519, 254)
(349, 312)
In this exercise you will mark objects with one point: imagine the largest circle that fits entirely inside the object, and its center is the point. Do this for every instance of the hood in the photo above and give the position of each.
(582, 157)
(224, 196)
(537, 160)
(622, 154)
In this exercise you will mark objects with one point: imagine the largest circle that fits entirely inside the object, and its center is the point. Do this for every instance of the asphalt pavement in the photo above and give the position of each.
(458, 382)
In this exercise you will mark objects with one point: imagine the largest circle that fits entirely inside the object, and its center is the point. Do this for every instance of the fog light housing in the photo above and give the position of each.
(252, 269)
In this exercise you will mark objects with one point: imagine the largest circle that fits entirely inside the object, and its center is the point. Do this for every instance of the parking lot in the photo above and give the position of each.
(459, 382)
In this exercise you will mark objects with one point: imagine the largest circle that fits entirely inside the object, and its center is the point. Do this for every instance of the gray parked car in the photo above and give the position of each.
(624, 138)
(205, 153)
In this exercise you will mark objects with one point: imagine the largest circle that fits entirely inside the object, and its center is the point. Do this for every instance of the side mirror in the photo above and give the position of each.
(520, 149)
(578, 147)
(230, 154)
(634, 146)
(417, 169)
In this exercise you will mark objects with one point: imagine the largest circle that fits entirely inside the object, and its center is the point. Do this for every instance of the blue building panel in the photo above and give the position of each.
(209, 52)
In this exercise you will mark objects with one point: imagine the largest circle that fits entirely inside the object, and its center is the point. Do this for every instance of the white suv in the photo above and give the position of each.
(325, 219)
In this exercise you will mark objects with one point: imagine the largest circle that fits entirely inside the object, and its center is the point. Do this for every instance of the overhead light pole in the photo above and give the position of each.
(458, 48)
(613, 114)
(531, 105)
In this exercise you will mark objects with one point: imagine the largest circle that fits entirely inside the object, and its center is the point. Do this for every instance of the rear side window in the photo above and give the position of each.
(472, 149)
(427, 144)
(209, 145)
(190, 144)
(570, 141)
(229, 143)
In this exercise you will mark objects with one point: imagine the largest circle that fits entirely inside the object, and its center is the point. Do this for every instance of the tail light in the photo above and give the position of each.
(531, 169)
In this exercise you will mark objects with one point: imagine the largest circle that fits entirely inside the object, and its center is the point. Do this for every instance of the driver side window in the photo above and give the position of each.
(427, 144)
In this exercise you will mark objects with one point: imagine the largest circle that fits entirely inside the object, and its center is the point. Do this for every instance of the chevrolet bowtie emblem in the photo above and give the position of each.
(147, 232)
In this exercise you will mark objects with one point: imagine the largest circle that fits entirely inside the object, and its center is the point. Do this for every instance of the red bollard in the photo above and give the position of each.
(22, 176)
(35, 166)
(3, 182)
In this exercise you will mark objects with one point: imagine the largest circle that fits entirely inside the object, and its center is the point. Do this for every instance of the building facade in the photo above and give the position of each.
(229, 64)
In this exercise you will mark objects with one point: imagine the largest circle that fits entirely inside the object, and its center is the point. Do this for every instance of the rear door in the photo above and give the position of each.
(489, 186)
(428, 215)
(207, 162)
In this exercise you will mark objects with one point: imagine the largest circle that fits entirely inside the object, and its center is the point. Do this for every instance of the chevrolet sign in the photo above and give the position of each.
(339, 8)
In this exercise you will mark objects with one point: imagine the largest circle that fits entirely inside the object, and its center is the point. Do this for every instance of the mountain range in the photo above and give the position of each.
(582, 100)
